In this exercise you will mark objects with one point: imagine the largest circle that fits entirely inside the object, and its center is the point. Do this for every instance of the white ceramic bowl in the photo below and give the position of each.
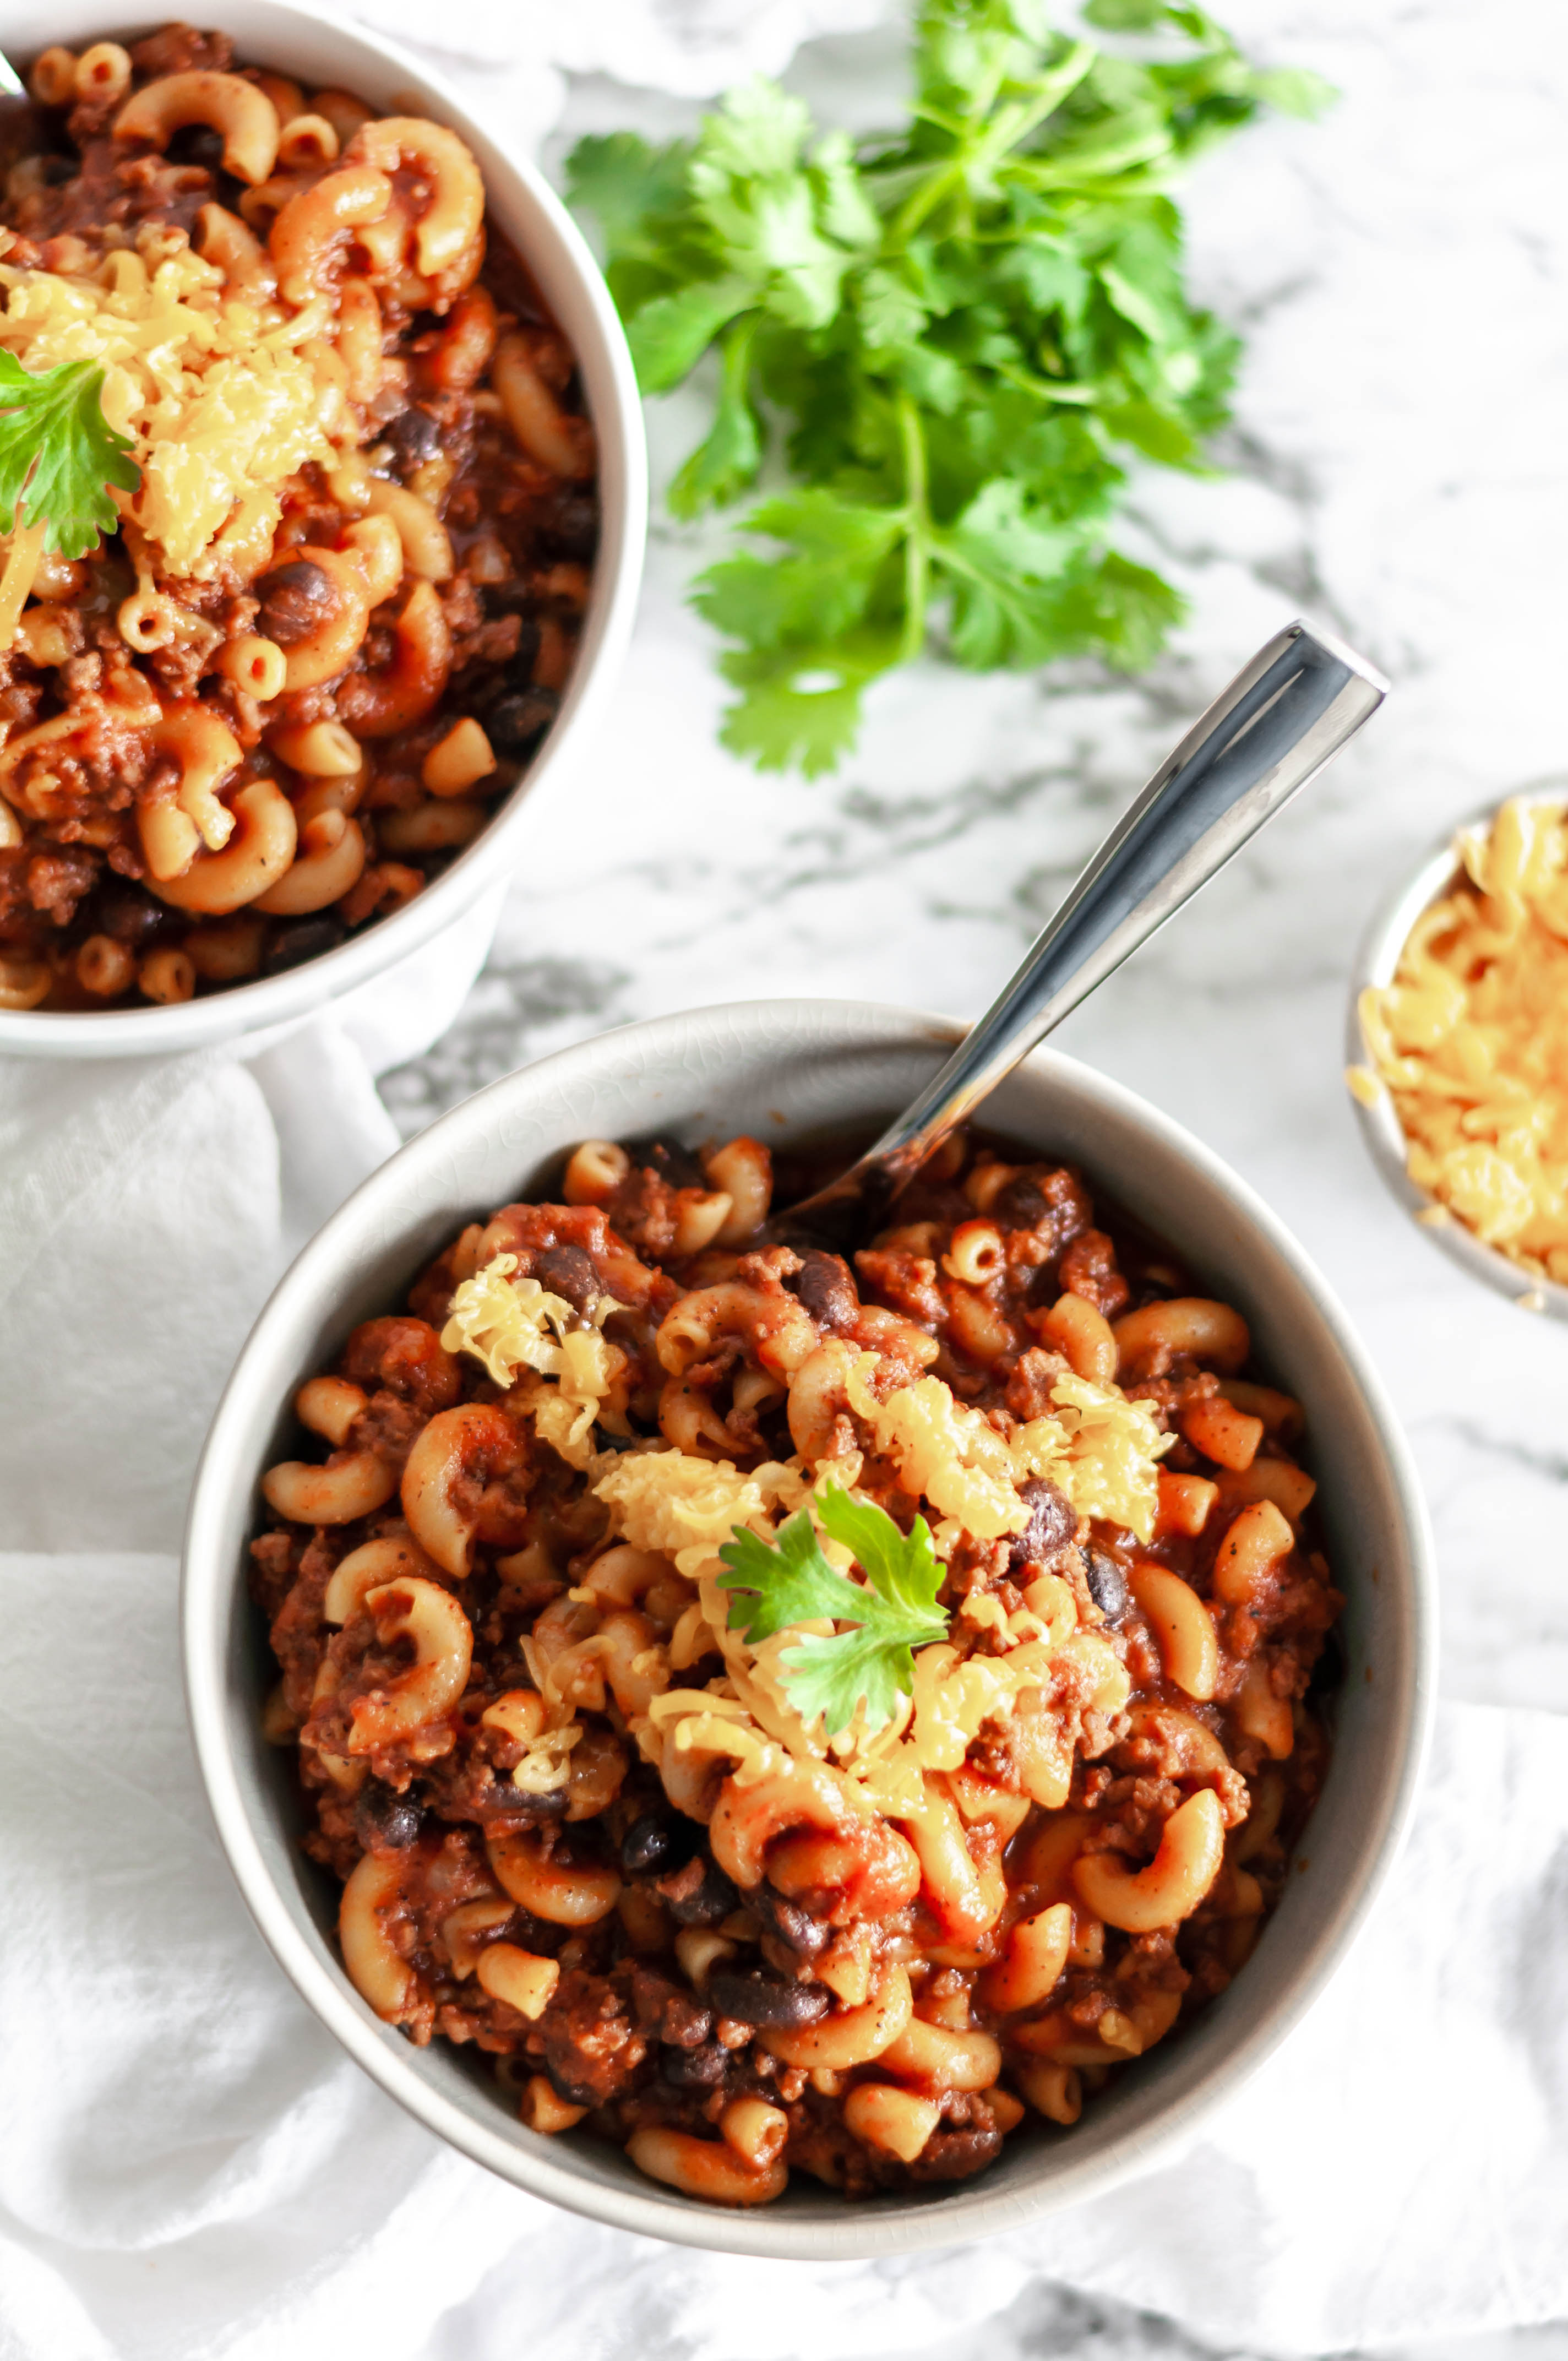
(781, 1069)
(297, 42)
(1376, 963)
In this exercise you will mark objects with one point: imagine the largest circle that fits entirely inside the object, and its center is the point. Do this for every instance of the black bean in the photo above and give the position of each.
(568, 1271)
(304, 939)
(415, 436)
(1107, 1584)
(699, 1895)
(196, 143)
(569, 2079)
(653, 1843)
(1019, 1206)
(516, 724)
(670, 1161)
(826, 1288)
(516, 677)
(1051, 1526)
(766, 2000)
(126, 914)
(568, 525)
(694, 2070)
(385, 1821)
(794, 1928)
(295, 598)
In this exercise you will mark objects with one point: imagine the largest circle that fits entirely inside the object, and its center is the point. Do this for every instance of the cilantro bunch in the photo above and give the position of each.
(964, 332)
(830, 1677)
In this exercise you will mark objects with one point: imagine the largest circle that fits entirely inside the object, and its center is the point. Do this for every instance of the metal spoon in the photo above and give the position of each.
(1286, 714)
(22, 128)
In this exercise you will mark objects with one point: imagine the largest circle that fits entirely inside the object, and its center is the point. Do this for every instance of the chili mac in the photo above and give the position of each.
(344, 598)
(580, 1821)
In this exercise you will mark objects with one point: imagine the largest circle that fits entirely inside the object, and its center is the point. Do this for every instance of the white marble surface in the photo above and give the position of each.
(1397, 471)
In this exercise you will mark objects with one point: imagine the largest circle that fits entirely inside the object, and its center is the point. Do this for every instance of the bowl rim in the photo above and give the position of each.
(208, 1576)
(1377, 961)
(560, 258)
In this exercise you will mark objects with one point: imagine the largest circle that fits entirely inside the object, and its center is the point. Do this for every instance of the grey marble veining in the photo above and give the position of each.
(1396, 470)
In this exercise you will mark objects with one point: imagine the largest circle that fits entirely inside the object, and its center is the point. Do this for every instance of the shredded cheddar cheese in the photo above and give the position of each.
(1102, 1451)
(512, 1325)
(1471, 1039)
(220, 401)
(1099, 1448)
(668, 1500)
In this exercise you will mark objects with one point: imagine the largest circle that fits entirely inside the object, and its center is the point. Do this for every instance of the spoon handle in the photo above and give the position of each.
(1285, 715)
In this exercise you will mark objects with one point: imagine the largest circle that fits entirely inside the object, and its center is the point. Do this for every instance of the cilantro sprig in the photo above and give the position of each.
(58, 453)
(869, 1666)
(968, 330)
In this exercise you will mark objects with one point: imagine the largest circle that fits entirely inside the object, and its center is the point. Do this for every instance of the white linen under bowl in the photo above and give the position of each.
(783, 1069)
(312, 48)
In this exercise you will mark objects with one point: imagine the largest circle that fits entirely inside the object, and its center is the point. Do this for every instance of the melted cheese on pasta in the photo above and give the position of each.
(1101, 1450)
(220, 401)
(513, 1325)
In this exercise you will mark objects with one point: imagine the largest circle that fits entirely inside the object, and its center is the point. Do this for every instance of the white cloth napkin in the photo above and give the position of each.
(510, 56)
(147, 1207)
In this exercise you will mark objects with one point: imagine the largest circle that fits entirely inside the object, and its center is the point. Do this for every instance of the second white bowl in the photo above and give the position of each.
(788, 1070)
(310, 48)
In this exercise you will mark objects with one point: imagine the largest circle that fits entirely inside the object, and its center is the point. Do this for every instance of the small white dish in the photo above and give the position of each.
(1376, 963)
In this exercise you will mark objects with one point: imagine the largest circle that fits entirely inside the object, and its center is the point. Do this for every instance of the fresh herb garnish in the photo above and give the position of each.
(58, 452)
(829, 1679)
(967, 328)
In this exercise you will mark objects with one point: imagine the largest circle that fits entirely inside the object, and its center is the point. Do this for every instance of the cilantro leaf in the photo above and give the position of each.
(671, 333)
(729, 455)
(869, 1666)
(1291, 89)
(58, 453)
(965, 332)
(631, 187)
(799, 708)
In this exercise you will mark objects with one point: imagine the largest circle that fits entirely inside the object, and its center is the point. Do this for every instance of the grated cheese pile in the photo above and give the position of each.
(220, 397)
(1100, 1449)
(1097, 1447)
(1471, 1039)
(515, 1323)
